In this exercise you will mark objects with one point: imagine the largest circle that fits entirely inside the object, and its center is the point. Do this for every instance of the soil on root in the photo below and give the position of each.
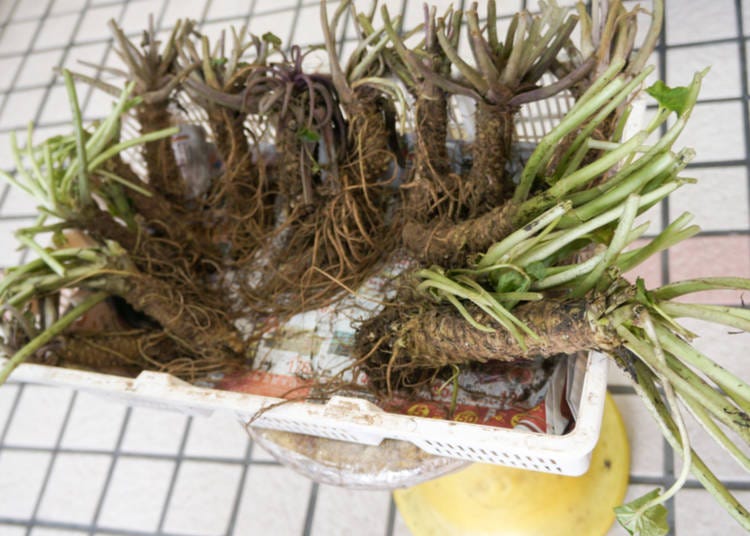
(434, 192)
(163, 173)
(408, 345)
(488, 182)
(449, 244)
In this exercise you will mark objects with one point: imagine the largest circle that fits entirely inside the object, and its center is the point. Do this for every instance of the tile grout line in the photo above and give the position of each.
(391, 519)
(312, 500)
(114, 457)
(178, 459)
(11, 415)
(742, 50)
(51, 465)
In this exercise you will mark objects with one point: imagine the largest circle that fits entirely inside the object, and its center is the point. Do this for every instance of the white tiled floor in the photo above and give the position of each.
(70, 461)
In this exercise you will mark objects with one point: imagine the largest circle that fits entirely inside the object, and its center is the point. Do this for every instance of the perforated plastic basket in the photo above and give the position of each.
(353, 419)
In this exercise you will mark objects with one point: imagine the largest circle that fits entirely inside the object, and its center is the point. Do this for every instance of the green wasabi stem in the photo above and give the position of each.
(675, 232)
(584, 136)
(684, 381)
(646, 389)
(575, 180)
(735, 317)
(499, 249)
(616, 245)
(43, 253)
(666, 162)
(674, 409)
(50, 333)
(122, 146)
(574, 118)
(737, 389)
(715, 431)
(84, 194)
(17, 274)
(545, 250)
(690, 286)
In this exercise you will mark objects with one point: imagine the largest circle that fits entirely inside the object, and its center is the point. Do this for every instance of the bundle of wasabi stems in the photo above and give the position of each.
(233, 186)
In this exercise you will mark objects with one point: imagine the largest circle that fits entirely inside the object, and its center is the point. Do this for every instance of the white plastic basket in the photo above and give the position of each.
(357, 420)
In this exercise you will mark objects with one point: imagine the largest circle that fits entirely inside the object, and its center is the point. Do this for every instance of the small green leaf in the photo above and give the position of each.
(674, 99)
(271, 38)
(537, 270)
(218, 62)
(307, 135)
(509, 281)
(652, 522)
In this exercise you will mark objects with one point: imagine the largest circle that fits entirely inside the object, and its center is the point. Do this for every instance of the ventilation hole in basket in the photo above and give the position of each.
(558, 469)
(546, 468)
(541, 460)
(517, 457)
(529, 458)
(428, 442)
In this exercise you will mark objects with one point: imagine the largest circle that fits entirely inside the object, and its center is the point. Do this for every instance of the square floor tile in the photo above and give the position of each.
(203, 498)
(39, 68)
(237, 9)
(708, 256)
(697, 512)
(20, 108)
(19, 203)
(17, 36)
(715, 132)
(154, 431)
(136, 494)
(95, 423)
(8, 68)
(28, 9)
(63, 6)
(644, 436)
(95, 24)
(191, 9)
(39, 416)
(274, 501)
(312, 34)
(719, 200)
(57, 31)
(12, 530)
(217, 436)
(342, 511)
(8, 243)
(689, 21)
(21, 477)
(74, 488)
(723, 80)
(722, 344)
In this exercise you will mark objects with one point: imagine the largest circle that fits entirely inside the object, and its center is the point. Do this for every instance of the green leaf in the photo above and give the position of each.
(652, 522)
(509, 281)
(271, 38)
(537, 270)
(218, 62)
(307, 135)
(674, 99)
